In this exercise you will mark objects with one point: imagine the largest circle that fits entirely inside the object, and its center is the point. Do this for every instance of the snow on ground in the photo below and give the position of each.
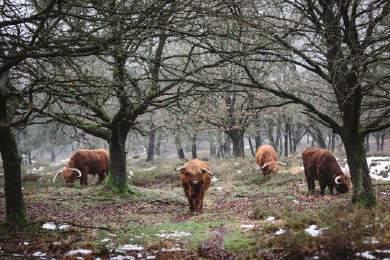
(175, 234)
(280, 232)
(121, 257)
(270, 219)
(148, 169)
(79, 251)
(366, 255)
(314, 231)
(379, 167)
(53, 226)
(247, 227)
(173, 249)
(131, 248)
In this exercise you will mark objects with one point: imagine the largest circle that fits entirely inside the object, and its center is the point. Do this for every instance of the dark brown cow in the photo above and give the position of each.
(195, 177)
(84, 162)
(267, 159)
(321, 165)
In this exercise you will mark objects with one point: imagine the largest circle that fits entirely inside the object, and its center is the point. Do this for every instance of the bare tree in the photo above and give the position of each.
(338, 45)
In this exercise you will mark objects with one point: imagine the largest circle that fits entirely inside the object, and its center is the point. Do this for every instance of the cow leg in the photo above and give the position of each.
(322, 187)
(101, 176)
(310, 184)
(192, 205)
(201, 197)
(330, 186)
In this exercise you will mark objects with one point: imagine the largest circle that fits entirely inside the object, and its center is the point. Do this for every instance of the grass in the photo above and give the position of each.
(159, 206)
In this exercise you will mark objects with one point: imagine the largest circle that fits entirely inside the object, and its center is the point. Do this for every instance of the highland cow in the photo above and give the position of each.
(84, 162)
(195, 177)
(267, 159)
(321, 165)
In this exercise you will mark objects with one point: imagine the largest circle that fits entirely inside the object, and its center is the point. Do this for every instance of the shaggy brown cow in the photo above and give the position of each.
(84, 162)
(321, 165)
(195, 177)
(267, 159)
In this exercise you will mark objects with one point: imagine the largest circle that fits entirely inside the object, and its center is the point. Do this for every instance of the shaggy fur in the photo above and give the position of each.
(267, 159)
(195, 181)
(88, 162)
(321, 165)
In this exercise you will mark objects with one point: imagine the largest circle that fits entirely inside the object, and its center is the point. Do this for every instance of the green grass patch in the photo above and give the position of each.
(239, 241)
(148, 235)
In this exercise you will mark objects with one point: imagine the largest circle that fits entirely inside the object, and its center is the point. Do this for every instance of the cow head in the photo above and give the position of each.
(269, 167)
(193, 174)
(69, 175)
(342, 183)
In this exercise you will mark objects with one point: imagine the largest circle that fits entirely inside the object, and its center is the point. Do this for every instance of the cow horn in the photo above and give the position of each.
(208, 171)
(336, 180)
(265, 165)
(180, 168)
(54, 179)
(76, 170)
(281, 163)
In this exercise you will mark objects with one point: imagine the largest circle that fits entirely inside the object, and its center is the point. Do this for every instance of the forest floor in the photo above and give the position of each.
(246, 216)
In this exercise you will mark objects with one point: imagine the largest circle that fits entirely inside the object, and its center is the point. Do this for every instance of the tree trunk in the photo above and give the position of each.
(117, 146)
(367, 143)
(213, 147)
(242, 145)
(151, 146)
(53, 155)
(158, 145)
(14, 202)
(286, 140)
(179, 148)
(236, 135)
(227, 151)
(383, 140)
(258, 141)
(333, 143)
(377, 139)
(193, 146)
(363, 193)
(253, 151)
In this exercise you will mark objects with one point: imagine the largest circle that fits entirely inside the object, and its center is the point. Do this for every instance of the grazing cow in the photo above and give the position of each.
(84, 162)
(267, 159)
(195, 177)
(321, 165)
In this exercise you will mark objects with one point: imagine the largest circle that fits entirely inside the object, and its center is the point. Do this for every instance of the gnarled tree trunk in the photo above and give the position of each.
(117, 146)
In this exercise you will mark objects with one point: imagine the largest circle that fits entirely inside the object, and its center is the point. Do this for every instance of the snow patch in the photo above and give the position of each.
(105, 240)
(175, 234)
(131, 248)
(270, 219)
(39, 253)
(173, 249)
(148, 169)
(54, 226)
(280, 232)
(121, 257)
(150, 257)
(79, 251)
(218, 188)
(371, 240)
(366, 255)
(239, 171)
(379, 167)
(247, 226)
(314, 231)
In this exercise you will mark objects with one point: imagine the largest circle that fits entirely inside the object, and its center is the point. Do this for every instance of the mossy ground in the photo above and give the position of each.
(156, 216)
